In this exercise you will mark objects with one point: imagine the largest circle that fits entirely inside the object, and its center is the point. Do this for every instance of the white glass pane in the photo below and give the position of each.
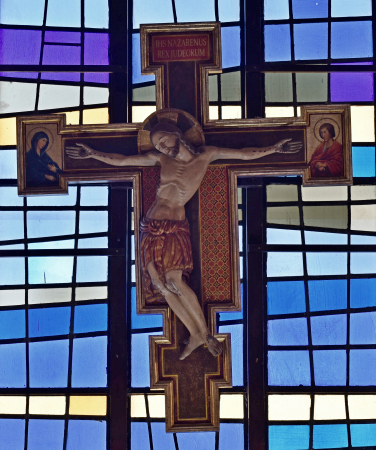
(11, 225)
(348, 8)
(157, 405)
(50, 270)
(93, 222)
(51, 405)
(12, 297)
(66, 243)
(281, 193)
(49, 295)
(96, 13)
(363, 192)
(194, 11)
(100, 242)
(231, 406)
(277, 236)
(286, 264)
(362, 407)
(362, 124)
(229, 10)
(363, 217)
(91, 293)
(94, 196)
(8, 164)
(320, 238)
(138, 406)
(276, 9)
(150, 11)
(324, 193)
(12, 404)
(327, 263)
(17, 97)
(54, 200)
(91, 268)
(50, 223)
(95, 95)
(289, 407)
(54, 96)
(363, 262)
(330, 407)
(9, 197)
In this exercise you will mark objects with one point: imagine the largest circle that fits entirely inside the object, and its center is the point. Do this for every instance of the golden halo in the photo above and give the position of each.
(191, 129)
(337, 128)
(36, 130)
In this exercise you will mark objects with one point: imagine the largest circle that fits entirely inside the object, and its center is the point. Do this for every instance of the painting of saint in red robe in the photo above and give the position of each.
(327, 159)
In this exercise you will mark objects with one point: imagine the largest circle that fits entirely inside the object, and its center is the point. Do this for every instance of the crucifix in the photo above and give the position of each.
(184, 168)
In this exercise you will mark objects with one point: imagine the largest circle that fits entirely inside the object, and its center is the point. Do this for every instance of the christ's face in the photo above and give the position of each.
(324, 133)
(166, 143)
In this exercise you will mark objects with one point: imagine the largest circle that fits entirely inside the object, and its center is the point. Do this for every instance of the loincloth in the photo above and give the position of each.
(167, 244)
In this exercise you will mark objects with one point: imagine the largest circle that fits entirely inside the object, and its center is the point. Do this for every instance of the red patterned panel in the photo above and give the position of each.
(150, 181)
(215, 230)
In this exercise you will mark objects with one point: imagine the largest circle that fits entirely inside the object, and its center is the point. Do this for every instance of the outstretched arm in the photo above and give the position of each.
(83, 151)
(248, 153)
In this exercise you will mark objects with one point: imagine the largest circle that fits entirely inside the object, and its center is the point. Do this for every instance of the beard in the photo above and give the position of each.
(173, 151)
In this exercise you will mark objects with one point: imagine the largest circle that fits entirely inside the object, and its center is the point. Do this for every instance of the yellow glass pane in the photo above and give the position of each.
(286, 215)
(363, 192)
(85, 405)
(231, 112)
(54, 405)
(91, 293)
(324, 193)
(51, 295)
(8, 134)
(71, 117)
(325, 216)
(213, 113)
(240, 196)
(363, 217)
(329, 407)
(362, 124)
(281, 193)
(140, 113)
(289, 407)
(362, 406)
(96, 115)
(138, 407)
(157, 405)
(12, 297)
(11, 404)
(231, 406)
(240, 214)
(279, 111)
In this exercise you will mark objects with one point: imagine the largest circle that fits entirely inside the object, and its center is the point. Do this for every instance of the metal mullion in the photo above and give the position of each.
(27, 355)
(38, 81)
(148, 422)
(174, 11)
(176, 441)
(216, 445)
(82, 59)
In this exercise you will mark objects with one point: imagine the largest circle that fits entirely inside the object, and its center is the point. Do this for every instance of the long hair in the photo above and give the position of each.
(35, 139)
(186, 144)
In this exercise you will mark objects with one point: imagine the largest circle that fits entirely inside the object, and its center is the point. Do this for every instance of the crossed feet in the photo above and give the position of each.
(214, 346)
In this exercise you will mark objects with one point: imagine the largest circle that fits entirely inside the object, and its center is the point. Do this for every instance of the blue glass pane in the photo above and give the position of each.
(19, 12)
(139, 436)
(228, 10)
(11, 225)
(277, 43)
(8, 164)
(288, 437)
(45, 434)
(12, 271)
(345, 8)
(357, 239)
(150, 11)
(309, 9)
(101, 242)
(89, 367)
(363, 161)
(286, 297)
(330, 367)
(9, 197)
(136, 62)
(362, 367)
(194, 11)
(50, 270)
(329, 330)
(64, 14)
(284, 264)
(363, 293)
(92, 268)
(279, 236)
(94, 196)
(54, 200)
(140, 376)
(12, 434)
(230, 46)
(49, 321)
(311, 40)
(231, 436)
(51, 245)
(143, 320)
(12, 324)
(289, 368)
(13, 366)
(234, 315)
(50, 223)
(326, 295)
(161, 439)
(276, 9)
(363, 435)
(237, 356)
(96, 13)
(330, 436)
(86, 435)
(363, 263)
(288, 332)
(326, 263)
(198, 441)
(93, 221)
(320, 238)
(49, 363)
(89, 318)
(363, 328)
(351, 39)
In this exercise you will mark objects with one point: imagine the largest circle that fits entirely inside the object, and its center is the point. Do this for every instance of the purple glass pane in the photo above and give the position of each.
(96, 52)
(61, 54)
(65, 37)
(352, 87)
(20, 46)
(32, 75)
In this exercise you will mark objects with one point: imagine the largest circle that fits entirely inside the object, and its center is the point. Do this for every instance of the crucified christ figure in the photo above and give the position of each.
(165, 238)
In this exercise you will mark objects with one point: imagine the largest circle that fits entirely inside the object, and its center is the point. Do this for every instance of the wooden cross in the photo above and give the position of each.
(181, 56)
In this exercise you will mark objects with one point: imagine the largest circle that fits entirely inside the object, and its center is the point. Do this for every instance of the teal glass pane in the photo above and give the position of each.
(363, 367)
(363, 263)
(286, 297)
(12, 433)
(363, 292)
(276, 9)
(289, 368)
(49, 321)
(64, 14)
(363, 159)
(161, 439)
(288, 437)
(140, 436)
(326, 263)
(13, 366)
(50, 223)
(231, 436)
(136, 62)
(9, 197)
(288, 332)
(89, 366)
(92, 268)
(48, 364)
(348, 8)
(96, 13)
(230, 46)
(12, 324)
(194, 11)
(326, 295)
(363, 434)
(86, 435)
(11, 225)
(286, 264)
(329, 367)
(150, 11)
(93, 222)
(236, 332)
(143, 320)
(352, 39)
(229, 10)
(8, 163)
(50, 270)
(12, 271)
(329, 330)
(309, 9)
(277, 43)
(200, 441)
(88, 318)
(311, 41)
(94, 196)
(45, 434)
(19, 12)
(54, 200)
(330, 436)
(363, 328)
